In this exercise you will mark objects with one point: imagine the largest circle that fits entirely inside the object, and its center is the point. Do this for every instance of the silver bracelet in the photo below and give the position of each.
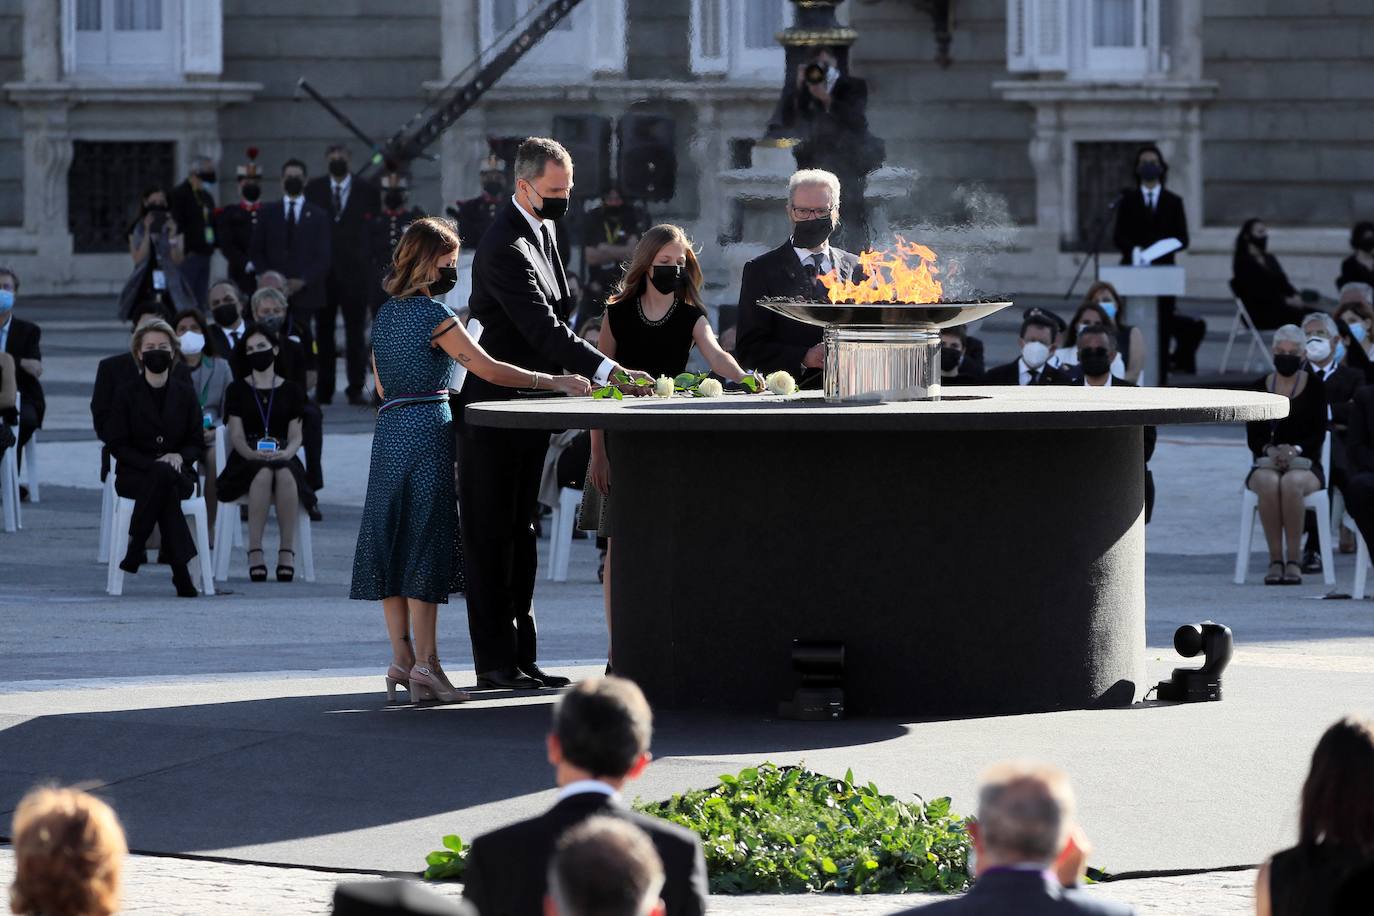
(534, 377)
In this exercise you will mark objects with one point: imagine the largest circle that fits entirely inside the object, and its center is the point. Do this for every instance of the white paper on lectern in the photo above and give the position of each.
(1141, 257)
(460, 372)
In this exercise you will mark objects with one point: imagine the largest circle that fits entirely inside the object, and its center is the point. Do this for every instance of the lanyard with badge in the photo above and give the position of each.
(207, 420)
(266, 443)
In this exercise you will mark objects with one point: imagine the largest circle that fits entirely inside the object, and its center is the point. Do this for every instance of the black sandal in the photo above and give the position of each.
(257, 573)
(1292, 578)
(284, 573)
(1274, 578)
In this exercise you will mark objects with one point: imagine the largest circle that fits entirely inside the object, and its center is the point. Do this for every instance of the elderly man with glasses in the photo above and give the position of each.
(768, 341)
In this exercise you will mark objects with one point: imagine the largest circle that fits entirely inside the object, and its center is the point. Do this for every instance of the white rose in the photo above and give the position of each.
(663, 388)
(710, 388)
(781, 382)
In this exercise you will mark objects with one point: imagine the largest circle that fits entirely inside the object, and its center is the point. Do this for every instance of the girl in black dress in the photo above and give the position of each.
(264, 414)
(1359, 267)
(652, 321)
(1258, 280)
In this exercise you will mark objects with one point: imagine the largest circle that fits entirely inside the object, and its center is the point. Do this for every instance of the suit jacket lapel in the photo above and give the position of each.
(541, 263)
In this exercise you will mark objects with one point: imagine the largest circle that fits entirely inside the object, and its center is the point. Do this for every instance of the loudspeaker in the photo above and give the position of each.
(588, 140)
(646, 162)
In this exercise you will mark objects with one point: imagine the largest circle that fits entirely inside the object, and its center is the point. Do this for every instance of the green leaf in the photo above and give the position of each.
(750, 383)
(829, 867)
(849, 777)
(438, 857)
(454, 842)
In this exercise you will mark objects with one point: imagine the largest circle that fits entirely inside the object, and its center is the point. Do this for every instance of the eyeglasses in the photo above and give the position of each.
(812, 212)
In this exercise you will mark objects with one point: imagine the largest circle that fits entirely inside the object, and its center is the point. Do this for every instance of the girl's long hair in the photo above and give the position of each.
(637, 272)
(1338, 796)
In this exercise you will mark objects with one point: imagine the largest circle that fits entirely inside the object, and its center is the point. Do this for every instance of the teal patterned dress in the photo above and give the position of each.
(409, 545)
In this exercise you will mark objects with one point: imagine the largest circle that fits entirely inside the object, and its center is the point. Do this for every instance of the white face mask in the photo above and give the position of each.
(1035, 354)
(1318, 349)
(191, 343)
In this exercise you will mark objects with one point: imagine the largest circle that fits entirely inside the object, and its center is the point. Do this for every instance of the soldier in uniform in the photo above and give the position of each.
(475, 216)
(234, 224)
(395, 216)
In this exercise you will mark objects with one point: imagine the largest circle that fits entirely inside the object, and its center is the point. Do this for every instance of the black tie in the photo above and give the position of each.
(547, 240)
(290, 225)
(1034, 377)
(338, 203)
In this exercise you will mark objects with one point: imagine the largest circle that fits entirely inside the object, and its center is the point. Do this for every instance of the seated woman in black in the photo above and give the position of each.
(154, 433)
(1259, 281)
(1287, 455)
(1359, 267)
(264, 414)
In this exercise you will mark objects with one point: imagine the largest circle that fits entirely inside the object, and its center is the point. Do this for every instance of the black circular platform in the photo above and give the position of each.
(982, 554)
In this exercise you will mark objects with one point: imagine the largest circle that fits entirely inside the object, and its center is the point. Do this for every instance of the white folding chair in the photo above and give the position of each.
(30, 475)
(561, 532)
(1316, 502)
(194, 507)
(1242, 323)
(9, 486)
(229, 530)
(107, 513)
(1361, 559)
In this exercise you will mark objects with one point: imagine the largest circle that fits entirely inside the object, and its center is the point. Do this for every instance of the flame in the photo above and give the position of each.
(904, 273)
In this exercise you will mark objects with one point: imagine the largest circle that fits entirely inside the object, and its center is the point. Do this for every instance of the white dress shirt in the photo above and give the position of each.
(299, 204)
(586, 785)
(805, 255)
(1024, 372)
(1151, 195)
(1107, 385)
(603, 371)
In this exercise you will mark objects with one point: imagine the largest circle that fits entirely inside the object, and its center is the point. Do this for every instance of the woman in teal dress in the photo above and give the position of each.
(408, 554)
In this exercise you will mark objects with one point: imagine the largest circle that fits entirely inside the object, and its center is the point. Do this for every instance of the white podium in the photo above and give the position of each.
(1142, 285)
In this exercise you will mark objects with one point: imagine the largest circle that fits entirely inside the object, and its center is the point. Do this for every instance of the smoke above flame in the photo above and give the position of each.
(906, 272)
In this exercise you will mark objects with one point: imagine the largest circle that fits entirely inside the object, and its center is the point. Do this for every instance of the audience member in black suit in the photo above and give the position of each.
(234, 225)
(957, 365)
(193, 208)
(395, 898)
(767, 341)
(1340, 383)
(1287, 454)
(353, 205)
(1147, 214)
(154, 432)
(605, 867)
(1335, 831)
(599, 741)
(293, 238)
(1036, 339)
(1359, 267)
(20, 339)
(519, 289)
(1258, 280)
(226, 308)
(1031, 855)
(1359, 453)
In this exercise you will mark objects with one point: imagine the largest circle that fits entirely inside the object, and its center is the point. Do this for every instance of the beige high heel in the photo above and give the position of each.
(425, 684)
(396, 676)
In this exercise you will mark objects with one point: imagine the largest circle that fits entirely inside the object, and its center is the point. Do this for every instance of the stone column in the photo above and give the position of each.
(42, 41)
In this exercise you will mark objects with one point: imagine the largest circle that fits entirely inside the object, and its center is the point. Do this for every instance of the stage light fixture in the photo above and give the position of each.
(820, 696)
(1193, 685)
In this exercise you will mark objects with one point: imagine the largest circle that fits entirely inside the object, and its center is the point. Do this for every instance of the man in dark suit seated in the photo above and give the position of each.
(226, 308)
(293, 237)
(1031, 856)
(1340, 383)
(768, 341)
(600, 740)
(1032, 366)
(20, 339)
(958, 365)
(605, 867)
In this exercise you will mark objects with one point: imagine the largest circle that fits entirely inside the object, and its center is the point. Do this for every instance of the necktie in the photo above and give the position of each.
(1034, 377)
(1152, 200)
(290, 225)
(547, 240)
(338, 202)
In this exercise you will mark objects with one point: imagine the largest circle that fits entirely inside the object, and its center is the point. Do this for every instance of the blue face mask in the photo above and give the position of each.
(1108, 306)
(6, 300)
(1357, 332)
(1340, 353)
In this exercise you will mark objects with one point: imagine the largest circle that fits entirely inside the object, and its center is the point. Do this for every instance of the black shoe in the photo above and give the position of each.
(23, 493)
(506, 679)
(1311, 562)
(132, 561)
(601, 568)
(314, 513)
(548, 680)
(181, 578)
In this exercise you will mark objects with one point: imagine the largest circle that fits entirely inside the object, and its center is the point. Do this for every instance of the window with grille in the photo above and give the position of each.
(104, 185)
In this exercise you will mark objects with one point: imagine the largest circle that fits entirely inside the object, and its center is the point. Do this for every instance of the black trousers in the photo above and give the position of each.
(498, 489)
(312, 443)
(1185, 332)
(157, 494)
(350, 298)
(1359, 502)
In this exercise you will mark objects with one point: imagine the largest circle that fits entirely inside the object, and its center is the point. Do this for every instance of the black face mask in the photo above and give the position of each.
(1260, 242)
(493, 188)
(394, 199)
(157, 361)
(448, 278)
(1365, 243)
(154, 208)
(251, 191)
(1095, 361)
(950, 357)
(665, 277)
(208, 177)
(261, 360)
(338, 168)
(552, 209)
(292, 186)
(1287, 364)
(1150, 171)
(273, 323)
(812, 233)
(225, 315)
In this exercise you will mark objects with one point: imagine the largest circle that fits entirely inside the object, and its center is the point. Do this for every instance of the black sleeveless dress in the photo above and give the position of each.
(659, 348)
(1303, 880)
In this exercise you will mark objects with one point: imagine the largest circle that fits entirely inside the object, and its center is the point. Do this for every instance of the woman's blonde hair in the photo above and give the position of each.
(68, 855)
(642, 262)
(420, 246)
(154, 327)
(267, 292)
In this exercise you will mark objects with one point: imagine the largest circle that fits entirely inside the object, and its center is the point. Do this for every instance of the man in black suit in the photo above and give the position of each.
(605, 867)
(293, 238)
(20, 339)
(519, 290)
(226, 308)
(768, 341)
(1359, 453)
(1144, 216)
(1032, 366)
(353, 204)
(1031, 856)
(599, 741)
(1340, 383)
(192, 206)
